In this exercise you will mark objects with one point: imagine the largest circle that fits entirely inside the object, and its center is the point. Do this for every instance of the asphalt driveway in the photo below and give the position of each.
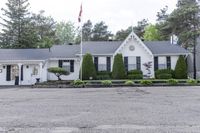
(107, 110)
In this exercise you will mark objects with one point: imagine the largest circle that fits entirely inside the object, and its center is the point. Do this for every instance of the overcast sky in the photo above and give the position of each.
(118, 14)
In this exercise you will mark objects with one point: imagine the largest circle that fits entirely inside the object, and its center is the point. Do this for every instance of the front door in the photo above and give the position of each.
(15, 74)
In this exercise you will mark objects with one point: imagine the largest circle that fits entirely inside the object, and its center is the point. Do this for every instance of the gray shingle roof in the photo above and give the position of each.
(165, 48)
(95, 48)
(24, 54)
(101, 47)
(65, 51)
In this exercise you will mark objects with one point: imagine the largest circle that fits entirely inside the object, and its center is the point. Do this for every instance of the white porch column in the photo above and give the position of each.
(40, 71)
(19, 66)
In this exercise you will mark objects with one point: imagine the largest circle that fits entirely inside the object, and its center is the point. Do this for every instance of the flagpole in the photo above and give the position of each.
(81, 44)
(81, 50)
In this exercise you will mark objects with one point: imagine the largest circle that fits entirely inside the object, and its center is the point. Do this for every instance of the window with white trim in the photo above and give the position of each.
(132, 63)
(66, 65)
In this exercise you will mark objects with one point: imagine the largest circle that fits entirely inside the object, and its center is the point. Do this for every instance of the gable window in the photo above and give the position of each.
(132, 63)
(168, 58)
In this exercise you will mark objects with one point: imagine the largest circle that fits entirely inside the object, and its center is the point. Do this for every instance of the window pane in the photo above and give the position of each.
(162, 66)
(102, 67)
(66, 66)
(131, 67)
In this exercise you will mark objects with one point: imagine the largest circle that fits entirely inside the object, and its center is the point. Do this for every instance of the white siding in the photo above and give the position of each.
(28, 77)
(72, 76)
(139, 51)
(3, 77)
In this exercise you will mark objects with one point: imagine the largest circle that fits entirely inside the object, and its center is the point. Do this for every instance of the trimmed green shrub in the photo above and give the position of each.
(135, 72)
(129, 82)
(119, 71)
(181, 68)
(172, 82)
(135, 76)
(192, 82)
(58, 71)
(106, 83)
(146, 82)
(78, 83)
(88, 68)
(164, 76)
(103, 75)
(164, 71)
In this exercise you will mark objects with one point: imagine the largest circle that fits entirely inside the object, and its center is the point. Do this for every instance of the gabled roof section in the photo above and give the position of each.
(101, 47)
(133, 36)
(165, 48)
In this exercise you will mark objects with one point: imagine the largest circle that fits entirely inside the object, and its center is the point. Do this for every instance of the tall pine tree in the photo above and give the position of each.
(18, 31)
(185, 23)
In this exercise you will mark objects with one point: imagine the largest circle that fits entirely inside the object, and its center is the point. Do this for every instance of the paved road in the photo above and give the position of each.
(107, 110)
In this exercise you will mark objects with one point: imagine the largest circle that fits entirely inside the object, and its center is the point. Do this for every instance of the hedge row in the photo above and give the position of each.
(89, 71)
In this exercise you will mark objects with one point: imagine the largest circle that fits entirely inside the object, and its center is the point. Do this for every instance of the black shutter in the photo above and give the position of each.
(108, 64)
(138, 62)
(126, 63)
(71, 65)
(155, 63)
(96, 62)
(22, 73)
(168, 62)
(60, 63)
(8, 73)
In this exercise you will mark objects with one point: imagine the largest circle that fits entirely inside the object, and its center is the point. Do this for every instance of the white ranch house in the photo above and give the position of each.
(26, 66)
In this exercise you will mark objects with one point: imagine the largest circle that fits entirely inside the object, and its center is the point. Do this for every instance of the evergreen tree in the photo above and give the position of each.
(163, 25)
(119, 71)
(181, 68)
(185, 23)
(88, 68)
(87, 31)
(123, 34)
(100, 32)
(139, 30)
(45, 28)
(18, 31)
